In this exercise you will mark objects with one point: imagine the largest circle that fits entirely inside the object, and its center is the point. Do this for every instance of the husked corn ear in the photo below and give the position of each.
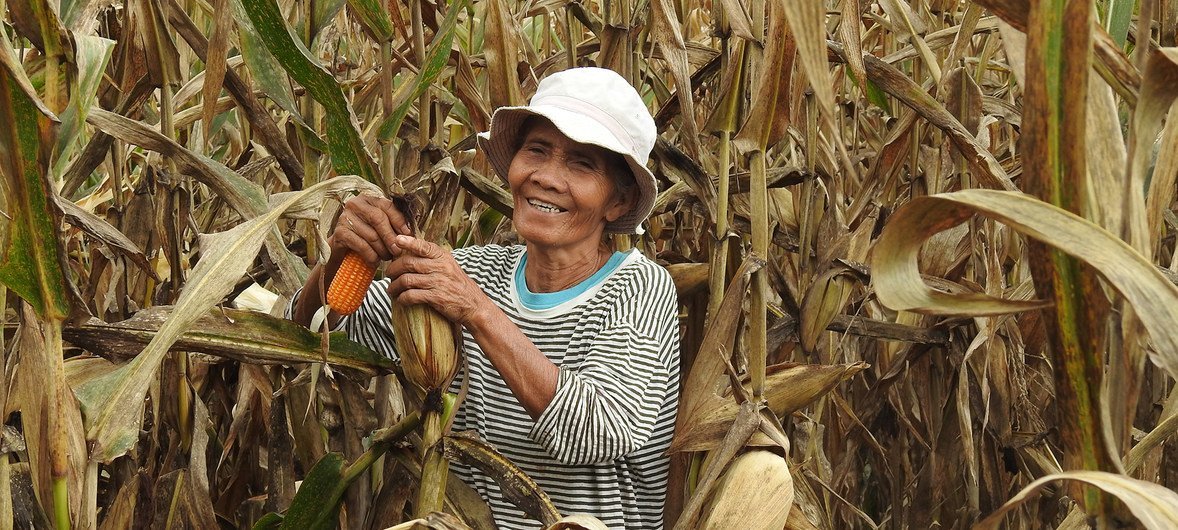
(755, 492)
(428, 343)
(350, 284)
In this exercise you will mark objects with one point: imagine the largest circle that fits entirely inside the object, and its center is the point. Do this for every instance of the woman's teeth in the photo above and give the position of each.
(544, 207)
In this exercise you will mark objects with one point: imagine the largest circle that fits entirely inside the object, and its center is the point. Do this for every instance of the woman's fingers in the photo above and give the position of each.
(368, 225)
(425, 273)
(346, 239)
(419, 247)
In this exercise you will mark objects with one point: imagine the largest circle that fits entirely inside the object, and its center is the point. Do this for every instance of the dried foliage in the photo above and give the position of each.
(925, 251)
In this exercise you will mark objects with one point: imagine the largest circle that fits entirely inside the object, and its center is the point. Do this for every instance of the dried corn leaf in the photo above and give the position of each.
(787, 388)
(1156, 506)
(899, 285)
(113, 404)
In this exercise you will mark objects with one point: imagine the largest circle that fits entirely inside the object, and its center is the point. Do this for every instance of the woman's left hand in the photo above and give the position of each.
(425, 273)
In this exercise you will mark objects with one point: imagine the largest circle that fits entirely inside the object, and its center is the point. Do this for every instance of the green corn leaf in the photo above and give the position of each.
(267, 73)
(373, 17)
(31, 263)
(436, 58)
(314, 507)
(245, 336)
(345, 144)
(91, 56)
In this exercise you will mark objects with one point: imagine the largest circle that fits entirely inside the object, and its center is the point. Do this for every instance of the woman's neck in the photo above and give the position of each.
(549, 271)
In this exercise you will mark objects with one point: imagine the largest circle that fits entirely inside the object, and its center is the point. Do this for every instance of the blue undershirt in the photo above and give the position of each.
(539, 301)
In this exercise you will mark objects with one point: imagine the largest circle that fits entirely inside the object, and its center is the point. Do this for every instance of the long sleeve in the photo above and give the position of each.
(606, 406)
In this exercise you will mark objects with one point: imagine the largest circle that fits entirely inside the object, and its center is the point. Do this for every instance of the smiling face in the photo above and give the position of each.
(563, 191)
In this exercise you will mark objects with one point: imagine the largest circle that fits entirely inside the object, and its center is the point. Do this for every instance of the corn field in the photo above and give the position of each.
(924, 249)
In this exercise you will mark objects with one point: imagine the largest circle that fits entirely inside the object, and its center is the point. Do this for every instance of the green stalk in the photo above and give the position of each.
(758, 326)
(58, 437)
(431, 494)
(387, 150)
(424, 116)
(382, 442)
(61, 503)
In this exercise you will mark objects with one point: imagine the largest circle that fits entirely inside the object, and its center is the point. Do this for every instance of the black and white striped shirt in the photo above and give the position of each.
(599, 446)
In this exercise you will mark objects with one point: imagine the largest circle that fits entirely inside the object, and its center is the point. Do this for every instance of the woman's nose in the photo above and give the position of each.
(550, 173)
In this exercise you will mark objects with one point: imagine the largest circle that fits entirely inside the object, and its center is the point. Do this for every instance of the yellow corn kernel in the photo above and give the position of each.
(350, 284)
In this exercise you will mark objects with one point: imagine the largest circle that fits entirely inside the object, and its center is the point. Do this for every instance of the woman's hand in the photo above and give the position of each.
(425, 273)
(368, 226)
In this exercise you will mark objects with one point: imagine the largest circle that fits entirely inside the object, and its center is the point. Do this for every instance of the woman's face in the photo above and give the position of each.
(562, 190)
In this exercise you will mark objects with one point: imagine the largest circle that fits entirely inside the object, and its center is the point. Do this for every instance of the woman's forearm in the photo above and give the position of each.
(310, 298)
(527, 372)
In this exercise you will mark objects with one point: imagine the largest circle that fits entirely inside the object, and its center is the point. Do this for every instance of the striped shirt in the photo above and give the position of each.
(598, 448)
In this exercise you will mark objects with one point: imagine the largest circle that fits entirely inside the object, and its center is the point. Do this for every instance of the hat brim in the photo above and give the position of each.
(500, 143)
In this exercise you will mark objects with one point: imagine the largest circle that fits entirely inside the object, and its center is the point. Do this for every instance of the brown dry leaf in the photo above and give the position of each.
(985, 167)
(807, 22)
(1154, 505)
(51, 421)
(689, 277)
(738, 19)
(501, 55)
(963, 98)
(215, 64)
(121, 513)
(1159, 89)
(664, 27)
(108, 235)
(787, 388)
(705, 381)
(771, 88)
(899, 285)
(1165, 175)
(1106, 166)
(850, 36)
(824, 300)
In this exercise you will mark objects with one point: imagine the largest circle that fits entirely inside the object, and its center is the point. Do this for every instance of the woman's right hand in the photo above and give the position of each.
(368, 226)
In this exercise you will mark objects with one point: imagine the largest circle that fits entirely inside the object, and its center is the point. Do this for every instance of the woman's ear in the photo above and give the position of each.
(623, 201)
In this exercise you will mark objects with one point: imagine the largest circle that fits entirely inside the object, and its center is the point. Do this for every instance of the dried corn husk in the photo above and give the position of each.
(429, 345)
(578, 521)
(756, 491)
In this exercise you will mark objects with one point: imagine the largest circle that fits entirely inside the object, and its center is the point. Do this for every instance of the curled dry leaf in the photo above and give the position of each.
(899, 285)
(1154, 505)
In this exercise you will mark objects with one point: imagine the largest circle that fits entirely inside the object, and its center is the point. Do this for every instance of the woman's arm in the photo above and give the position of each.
(597, 411)
(426, 273)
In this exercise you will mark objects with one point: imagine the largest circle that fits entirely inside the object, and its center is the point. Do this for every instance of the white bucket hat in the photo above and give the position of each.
(590, 106)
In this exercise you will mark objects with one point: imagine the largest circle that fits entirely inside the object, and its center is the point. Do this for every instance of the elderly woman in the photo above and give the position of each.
(572, 350)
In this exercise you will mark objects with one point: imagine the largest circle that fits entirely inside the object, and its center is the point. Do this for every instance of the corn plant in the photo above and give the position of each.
(925, 255)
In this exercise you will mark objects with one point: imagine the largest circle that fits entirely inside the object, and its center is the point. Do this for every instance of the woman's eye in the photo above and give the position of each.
(583, 164)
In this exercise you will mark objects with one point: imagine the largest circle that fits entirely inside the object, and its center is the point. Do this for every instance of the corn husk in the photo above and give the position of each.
(755, 492)
(578, 521)
(429, 345)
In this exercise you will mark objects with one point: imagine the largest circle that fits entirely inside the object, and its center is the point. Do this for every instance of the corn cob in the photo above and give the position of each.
(350, 284)
(429, 345)
(755, 492)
